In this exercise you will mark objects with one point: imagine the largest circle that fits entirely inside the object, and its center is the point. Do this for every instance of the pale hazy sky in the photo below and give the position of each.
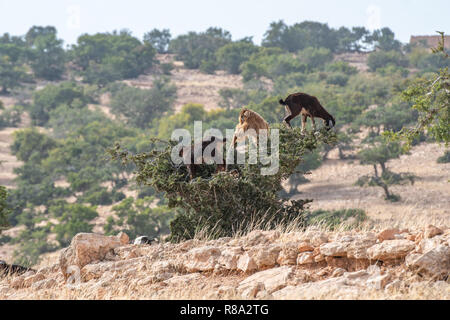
(241, 17)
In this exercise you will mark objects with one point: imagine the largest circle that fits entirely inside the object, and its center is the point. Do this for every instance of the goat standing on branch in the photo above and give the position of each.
(249, 119)
(308, 106)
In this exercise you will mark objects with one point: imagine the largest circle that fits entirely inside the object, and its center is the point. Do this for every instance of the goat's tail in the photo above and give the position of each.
(282, 102)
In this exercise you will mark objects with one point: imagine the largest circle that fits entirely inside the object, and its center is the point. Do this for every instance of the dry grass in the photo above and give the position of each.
(425, 202)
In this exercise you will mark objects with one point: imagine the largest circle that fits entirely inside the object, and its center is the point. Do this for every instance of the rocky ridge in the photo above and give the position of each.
(313, 264)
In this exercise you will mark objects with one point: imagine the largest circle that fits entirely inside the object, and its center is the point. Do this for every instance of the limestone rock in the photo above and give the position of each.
(86, 248)
(390, 249)
(201, 259)
(229, 257)
(304, 247)
(388, 234)
(357, 249)
(246, 263)
(431, 231)
(305, 258)
(334, 249)
(288, 254)
(265, 256)
(258, 237)
(435, 262)
(272, 279)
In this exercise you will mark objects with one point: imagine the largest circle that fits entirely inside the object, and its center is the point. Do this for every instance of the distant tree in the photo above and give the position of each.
(314, 34)
(351, 40)
(75, 219)
(198, 50)
(13, 55)
(138, 217)
(33, 243)
(46, 56)
(106, 57)
(384, 39)
(232, 55)
(380, 59)
(315, 57)
(69, 94)
(445, 158)
(30, 144)
(159, 39)
(380, 154)
(311, 160)
(4, 208)
(431, 99)
(12, 74)
(139, 107)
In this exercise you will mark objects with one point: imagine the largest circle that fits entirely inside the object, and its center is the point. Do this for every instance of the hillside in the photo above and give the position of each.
(311, 264)
(425, 202)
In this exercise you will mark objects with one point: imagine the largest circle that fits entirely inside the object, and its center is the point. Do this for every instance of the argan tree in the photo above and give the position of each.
(378, 155)
(431, 98)
(219, 204)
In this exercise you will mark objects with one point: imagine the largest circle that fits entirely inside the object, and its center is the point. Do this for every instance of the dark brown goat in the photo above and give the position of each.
(308, 106)
(192, 167)
(8, 269)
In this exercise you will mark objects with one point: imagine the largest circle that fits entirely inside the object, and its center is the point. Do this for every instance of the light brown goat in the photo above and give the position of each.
(249, 119)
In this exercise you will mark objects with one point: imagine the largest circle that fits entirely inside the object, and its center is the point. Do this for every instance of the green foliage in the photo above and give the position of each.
(338, 78)
(81, 157)
(380, 153)
(4, 208)
(221, 203)
(445, 158)
(33, 243)
(139, 107)
(75, 219)
(46, 55)
(299, 36)
(311, 160)
(427, 61)
(13, 55)
(106, 57)
(315, 58)
(271, 63)
(431, 98)
(61, 119)
(348, 218)
(139, 217)
(232, 55)
(101, 196)
(12, 74)
(197, 49)
(380, 59)
(159, 39)
(384, 39)
(11, 117)
(52, 96)
(30, 144)
(342, 67)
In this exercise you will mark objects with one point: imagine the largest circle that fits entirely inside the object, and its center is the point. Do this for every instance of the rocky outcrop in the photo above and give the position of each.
(260, 265)
(86, 248)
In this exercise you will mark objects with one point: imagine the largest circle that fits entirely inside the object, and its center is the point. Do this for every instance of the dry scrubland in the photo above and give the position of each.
(410, 262)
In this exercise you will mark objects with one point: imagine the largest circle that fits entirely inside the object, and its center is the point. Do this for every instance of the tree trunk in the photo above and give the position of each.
(383, 167)
(376, 170)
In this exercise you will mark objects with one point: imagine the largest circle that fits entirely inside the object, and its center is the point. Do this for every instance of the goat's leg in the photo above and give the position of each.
(313, 123)
(289, 117)
(304, 116)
